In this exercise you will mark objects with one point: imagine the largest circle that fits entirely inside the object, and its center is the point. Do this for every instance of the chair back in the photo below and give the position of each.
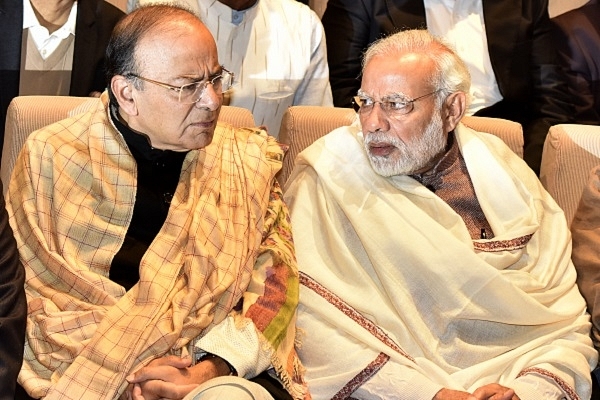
(570, 152)
(302, 125)
(26, 114)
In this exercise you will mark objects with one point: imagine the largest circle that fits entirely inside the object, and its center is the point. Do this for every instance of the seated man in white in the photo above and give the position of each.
(433, 263)
(276, 50)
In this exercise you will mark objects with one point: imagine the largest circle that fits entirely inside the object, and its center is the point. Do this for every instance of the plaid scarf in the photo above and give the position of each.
(70, 202)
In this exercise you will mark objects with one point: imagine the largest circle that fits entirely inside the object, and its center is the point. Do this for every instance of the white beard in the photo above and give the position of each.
(408, 158)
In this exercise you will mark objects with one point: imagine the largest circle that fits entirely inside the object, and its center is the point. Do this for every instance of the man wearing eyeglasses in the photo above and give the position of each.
(506, 44)
(157, 247)
(433, 264)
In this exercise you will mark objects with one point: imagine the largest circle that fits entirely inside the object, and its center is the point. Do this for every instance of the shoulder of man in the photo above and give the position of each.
(255, 138)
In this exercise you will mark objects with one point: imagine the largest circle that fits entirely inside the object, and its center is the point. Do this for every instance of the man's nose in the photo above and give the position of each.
(375, 120)
(210, 99)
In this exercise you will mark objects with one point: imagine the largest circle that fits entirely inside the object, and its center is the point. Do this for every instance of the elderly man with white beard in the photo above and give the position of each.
(433, 263)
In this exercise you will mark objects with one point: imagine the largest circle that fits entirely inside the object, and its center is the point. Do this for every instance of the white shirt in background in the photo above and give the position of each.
(460, 23)
(276, 49)
(45, 41)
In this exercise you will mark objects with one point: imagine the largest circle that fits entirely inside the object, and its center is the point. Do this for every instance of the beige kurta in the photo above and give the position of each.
(392, 278)
(71, 200)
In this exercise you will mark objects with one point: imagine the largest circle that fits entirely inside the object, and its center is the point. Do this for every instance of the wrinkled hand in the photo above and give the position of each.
(449, 394)
(494, 391)
(169, 377)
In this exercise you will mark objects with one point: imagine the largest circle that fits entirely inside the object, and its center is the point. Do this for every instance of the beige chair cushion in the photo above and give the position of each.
(26, 114)
(302, 125)
(509, 131)
(570, 152)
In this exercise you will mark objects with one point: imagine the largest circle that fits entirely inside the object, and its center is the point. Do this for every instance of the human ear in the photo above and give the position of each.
(124, 92)
(454, 109)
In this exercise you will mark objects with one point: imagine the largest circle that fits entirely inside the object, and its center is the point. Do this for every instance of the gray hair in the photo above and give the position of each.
(450, 74)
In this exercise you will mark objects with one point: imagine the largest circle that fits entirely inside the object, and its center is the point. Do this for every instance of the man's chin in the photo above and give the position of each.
(386, 168)
(201, 140)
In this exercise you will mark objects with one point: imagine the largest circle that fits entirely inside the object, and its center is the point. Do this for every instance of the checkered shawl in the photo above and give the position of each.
(224, 248)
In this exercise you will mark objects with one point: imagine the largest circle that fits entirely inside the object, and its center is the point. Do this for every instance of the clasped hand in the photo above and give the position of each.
(492, 391)
(168, 377)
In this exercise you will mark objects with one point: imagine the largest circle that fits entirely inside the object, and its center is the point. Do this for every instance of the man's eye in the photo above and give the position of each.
(189, 89)
(396, 105)
(366, 102)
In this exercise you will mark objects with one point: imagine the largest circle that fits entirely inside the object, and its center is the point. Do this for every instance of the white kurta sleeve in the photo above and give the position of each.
(239, 346)
(314, 88)
(408, 384)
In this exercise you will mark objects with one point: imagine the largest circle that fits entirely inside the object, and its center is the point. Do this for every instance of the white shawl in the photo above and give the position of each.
(406, 282)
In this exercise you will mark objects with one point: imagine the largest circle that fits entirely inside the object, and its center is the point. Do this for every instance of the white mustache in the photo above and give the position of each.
(381, 138)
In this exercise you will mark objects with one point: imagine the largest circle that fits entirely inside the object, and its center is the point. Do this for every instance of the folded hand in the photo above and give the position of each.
(169, 377)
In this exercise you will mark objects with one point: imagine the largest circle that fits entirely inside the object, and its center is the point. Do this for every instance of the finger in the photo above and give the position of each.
(484, 393)
(171, 361)
(151, 373)
(161, 368)
(166, 390)
(128, 392)
(144, 374)
(487, 392)
(493, 392)
(507, 395)
(136, 393)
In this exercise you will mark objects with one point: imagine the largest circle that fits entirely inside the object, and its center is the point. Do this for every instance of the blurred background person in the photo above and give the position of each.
(53, 47)
(578, 43)
(276, 50)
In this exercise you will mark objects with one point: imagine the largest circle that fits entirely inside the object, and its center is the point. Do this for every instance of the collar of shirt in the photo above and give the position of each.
(235, 17)
(45, 42)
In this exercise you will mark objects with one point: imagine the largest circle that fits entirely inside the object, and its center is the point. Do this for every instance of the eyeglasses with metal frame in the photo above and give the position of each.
(364, 105)
(191, 93)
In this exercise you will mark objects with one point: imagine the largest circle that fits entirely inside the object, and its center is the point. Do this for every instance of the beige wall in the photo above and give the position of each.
(557, 7)
(122, 4)
(318, 6)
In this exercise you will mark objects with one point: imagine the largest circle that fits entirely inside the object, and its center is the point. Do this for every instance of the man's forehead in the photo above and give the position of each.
(172, 29)
(392, 87)
(402, 63)
(193, 40)
(390, 74)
